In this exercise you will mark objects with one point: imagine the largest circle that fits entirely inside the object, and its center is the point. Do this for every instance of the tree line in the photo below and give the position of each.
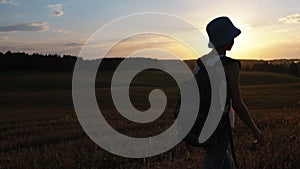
(290, 67)
(21, 61)
(36, 62)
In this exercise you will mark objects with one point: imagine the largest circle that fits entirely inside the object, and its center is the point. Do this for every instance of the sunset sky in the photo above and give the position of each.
(270, 28)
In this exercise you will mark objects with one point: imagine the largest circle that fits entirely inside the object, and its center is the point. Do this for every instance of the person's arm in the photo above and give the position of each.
(237, 102)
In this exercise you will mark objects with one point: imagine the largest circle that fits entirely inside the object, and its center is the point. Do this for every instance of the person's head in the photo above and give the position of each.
(226, 47)
(221, 33)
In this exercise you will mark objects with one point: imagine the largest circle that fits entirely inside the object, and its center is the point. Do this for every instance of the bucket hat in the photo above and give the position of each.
(220, 31)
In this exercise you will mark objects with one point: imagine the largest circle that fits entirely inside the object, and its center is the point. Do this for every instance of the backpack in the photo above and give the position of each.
(204, 86)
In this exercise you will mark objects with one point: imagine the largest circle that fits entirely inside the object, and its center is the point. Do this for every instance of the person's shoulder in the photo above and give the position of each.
(230, 62)
(231, 66)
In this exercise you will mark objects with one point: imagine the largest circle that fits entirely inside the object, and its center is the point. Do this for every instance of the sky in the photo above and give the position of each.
(270, 28)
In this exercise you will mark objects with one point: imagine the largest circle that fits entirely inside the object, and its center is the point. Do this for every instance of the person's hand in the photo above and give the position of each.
(259, 137)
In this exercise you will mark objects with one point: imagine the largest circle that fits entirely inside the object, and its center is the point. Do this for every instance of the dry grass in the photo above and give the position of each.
(39, 128)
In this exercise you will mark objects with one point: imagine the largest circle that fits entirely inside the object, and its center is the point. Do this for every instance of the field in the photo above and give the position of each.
(39, 127)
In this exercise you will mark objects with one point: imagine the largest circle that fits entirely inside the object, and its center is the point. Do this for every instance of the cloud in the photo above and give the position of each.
(295, 18)
(4, 38)
(61, 31)
(150, 42)
(31, 26)
(56, 9)
(9, 2)
(73, 44)
(281, 30)
(246, 27)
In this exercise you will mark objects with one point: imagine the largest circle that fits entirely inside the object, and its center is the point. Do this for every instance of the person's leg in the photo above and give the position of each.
(214, 159)
(217, 156)
(228, 162)
(208, 162)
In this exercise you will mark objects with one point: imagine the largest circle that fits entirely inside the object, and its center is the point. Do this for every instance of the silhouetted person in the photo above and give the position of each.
(222, 32)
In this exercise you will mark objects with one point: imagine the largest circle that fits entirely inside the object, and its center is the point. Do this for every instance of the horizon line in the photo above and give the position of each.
(141, 57)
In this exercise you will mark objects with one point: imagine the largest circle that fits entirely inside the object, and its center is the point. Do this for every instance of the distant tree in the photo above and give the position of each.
(36, 62)
(261, 66)
(8, 53)
(293, 69)
(286, 66)
(247, 68)
(298, 67)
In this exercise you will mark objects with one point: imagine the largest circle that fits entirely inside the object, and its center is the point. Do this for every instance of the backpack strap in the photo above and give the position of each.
(200, 65)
